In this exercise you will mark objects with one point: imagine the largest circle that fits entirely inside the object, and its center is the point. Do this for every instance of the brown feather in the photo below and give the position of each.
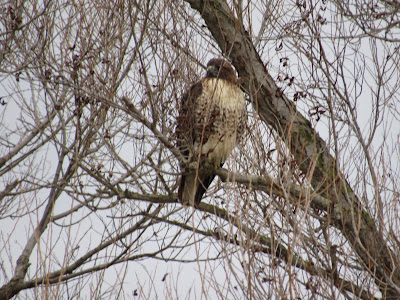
(211, 121)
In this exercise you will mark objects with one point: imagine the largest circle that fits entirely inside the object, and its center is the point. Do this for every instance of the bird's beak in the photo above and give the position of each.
(211, 71)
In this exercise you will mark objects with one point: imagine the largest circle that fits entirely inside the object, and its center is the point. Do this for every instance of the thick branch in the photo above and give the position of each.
(271, 186)
(308, 149)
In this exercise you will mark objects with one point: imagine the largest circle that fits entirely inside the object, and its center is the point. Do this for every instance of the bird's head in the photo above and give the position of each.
(220, 68)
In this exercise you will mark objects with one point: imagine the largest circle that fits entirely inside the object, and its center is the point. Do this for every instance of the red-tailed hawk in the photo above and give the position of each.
(211, 122)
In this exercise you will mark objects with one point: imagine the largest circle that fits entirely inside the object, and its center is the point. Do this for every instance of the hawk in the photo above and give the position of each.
(212, 118)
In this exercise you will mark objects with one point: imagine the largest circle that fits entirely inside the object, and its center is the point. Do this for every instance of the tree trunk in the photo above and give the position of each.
(308, 149)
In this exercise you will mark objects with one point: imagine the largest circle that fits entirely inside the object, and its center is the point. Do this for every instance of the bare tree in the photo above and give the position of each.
(307, 206)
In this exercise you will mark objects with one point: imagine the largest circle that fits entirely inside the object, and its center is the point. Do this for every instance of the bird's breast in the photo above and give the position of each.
(220, 119)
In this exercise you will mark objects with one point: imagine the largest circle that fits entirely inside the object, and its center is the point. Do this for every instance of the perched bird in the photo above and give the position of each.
(212, 118)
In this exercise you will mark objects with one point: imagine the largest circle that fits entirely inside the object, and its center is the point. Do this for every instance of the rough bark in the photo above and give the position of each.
(308, 149)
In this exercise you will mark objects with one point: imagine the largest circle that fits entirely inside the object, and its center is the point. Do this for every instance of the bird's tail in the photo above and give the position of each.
(188, 188)
(193, 185)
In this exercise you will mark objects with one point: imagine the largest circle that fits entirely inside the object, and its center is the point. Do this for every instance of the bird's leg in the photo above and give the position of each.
(216, 166)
